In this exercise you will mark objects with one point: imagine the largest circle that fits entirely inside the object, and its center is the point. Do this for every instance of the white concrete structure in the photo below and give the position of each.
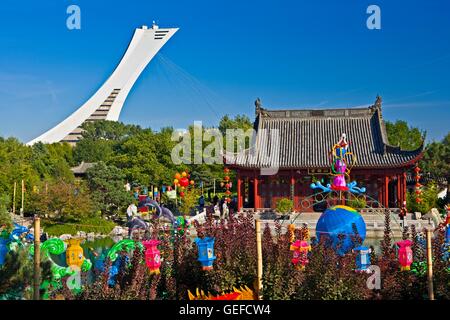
(108, 101)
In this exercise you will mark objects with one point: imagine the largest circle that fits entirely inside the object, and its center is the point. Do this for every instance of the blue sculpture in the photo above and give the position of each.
(339, 220)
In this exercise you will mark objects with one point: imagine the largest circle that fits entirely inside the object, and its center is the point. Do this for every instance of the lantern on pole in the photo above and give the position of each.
(206, 252)
(74, 253)
(152, 255)
(405, 254)
(300, 255)
(362, 258)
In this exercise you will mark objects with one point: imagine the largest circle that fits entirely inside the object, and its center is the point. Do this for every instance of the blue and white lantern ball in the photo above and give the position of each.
(339, 220)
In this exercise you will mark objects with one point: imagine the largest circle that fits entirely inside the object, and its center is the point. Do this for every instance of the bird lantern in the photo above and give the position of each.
(300, 255)
(74, 253)
(152, 255)
(206, 252)
(362, 258)
(405, 254)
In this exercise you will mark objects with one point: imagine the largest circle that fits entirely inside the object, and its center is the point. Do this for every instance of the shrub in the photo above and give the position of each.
(358, 203)
(284, 205)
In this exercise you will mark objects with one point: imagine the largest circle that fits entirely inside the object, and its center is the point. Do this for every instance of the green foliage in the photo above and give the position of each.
(401, 134)
(61, 201)
(189, 201)
(106, 184)
(436, 159)
(357, 203)
(429, 198)
(90, 224)
(16, 275)
(5, 217)
(284, 205)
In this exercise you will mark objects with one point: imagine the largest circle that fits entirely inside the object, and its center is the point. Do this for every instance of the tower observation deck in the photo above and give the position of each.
(108, 101)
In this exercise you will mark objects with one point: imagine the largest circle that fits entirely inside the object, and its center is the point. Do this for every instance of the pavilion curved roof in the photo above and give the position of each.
(306, 136)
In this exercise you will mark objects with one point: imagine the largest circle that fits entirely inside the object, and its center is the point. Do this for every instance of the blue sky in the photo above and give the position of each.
(290, 53)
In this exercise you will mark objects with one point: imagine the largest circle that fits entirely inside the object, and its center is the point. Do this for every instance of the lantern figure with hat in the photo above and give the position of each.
(206, 252)
(405, 254)
(300, 255)
(74, 253)
(152, 255)
(362, 258)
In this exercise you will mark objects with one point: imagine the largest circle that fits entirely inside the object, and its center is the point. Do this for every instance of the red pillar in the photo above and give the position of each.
(404, 186)
(239, 191)
(386, 191)
(399, 191)
(255, 192)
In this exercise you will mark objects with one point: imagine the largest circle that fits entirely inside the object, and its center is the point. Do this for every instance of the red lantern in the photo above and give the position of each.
(300, 255)
(182, 194)
(184, 182)
(228, 192)
(405, 254)
(227, 178)
(226, 170)
(152, 255)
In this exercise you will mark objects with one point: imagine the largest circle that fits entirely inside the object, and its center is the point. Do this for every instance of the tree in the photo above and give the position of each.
(403, 135)
(61, 201)
(106, 184)
(436, 160)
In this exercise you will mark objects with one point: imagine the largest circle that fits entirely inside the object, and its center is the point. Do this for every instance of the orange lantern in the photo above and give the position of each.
(191, 182)
(226, 170)
(184, 174)
(227, 178)
(177, 176)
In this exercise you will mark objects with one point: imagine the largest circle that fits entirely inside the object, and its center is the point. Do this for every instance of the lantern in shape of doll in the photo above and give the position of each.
(152, 255)
(300, 255)
(405, 254)
(362, 258)
(74, 253)
(206, 252)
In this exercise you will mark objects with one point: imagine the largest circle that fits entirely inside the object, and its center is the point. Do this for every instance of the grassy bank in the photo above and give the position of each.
(95, 224)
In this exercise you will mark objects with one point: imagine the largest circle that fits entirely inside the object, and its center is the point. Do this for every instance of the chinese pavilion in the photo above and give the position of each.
(304, 140)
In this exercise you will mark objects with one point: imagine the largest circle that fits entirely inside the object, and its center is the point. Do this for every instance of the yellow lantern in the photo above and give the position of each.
(175, 181)
(184, 174)
(74, 253)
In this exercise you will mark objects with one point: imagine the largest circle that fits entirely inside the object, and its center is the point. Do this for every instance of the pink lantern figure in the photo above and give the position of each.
(152, 255)
(300, 255)
(405, 254)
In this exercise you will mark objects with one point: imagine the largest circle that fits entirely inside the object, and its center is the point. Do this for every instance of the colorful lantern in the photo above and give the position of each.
(74, 253)
(362, 258)
(206, 252)
(177, 176)
(184, 182)
(405, 254)
(175, 181)
(184, 174)
(152, 255)
(300, 255)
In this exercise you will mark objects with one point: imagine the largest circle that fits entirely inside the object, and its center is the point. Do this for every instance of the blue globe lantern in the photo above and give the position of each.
(362, 258)
(206, 252)
(339, 220)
